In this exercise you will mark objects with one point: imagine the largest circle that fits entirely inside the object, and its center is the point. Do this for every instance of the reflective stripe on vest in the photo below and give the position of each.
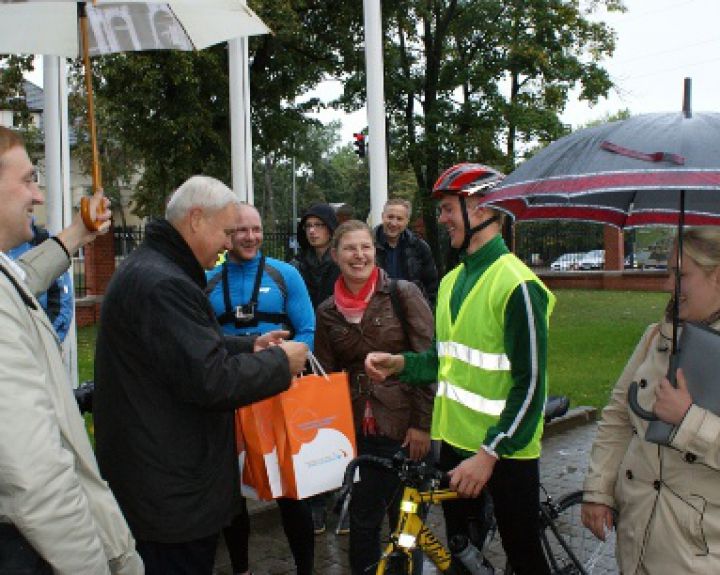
(474, 357)
(470, 400)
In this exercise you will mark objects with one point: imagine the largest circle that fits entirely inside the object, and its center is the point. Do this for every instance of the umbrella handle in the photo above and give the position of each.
(635, 405)
(90, 224)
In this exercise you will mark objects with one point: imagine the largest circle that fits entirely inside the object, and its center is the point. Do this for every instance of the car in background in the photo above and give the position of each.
(650, 260)
(593, 260)
(567, 262)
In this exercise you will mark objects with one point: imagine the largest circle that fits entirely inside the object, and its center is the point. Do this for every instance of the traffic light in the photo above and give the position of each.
(359, 144)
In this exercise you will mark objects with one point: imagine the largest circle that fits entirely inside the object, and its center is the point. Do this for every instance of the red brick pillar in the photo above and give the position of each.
(614, 249)
(99, 263)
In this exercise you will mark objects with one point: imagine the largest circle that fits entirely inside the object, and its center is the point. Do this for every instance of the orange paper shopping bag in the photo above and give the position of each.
(314, 432)
(257, 452)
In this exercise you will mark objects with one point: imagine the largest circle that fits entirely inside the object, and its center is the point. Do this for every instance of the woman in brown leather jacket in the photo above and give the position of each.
(359, 318)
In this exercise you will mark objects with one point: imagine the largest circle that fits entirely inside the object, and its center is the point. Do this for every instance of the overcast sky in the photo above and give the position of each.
(659, 43)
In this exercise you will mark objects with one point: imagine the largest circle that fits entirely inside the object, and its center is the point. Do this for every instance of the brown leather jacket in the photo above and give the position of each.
(340, 345)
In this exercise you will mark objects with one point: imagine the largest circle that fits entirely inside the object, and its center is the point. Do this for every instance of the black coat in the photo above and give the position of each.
(416, 262)
(320, 274)
(167, 382)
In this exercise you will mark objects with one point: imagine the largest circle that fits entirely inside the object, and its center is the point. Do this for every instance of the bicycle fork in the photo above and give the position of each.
(412, 533)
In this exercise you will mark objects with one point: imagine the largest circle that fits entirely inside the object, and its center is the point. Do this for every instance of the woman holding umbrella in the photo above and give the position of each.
(666, 496)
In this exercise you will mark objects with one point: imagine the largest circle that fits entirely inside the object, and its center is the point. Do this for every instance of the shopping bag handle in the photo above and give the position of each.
(317, 369)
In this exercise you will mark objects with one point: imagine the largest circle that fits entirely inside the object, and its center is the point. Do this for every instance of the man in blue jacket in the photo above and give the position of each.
(57, 301)
(254, 294)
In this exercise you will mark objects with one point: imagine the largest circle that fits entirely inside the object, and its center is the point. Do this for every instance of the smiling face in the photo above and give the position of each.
(19, 194)
(394, 221)
(699, 289)
(451, 217)
(355, 256)
(248, 236)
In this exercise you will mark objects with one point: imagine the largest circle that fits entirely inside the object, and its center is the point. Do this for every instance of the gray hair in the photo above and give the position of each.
(407, 204)
(199, 192)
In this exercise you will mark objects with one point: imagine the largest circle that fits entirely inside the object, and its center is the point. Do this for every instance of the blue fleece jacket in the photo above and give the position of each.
(241, 280)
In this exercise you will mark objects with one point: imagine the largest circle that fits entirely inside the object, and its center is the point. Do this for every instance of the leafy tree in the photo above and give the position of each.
(12, 71)
(172, 108)
(469, 80)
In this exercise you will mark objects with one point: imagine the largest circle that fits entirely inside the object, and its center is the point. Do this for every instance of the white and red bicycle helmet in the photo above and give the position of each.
(464, 180)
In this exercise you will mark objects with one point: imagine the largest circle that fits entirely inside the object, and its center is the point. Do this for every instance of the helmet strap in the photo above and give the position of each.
(470, 232)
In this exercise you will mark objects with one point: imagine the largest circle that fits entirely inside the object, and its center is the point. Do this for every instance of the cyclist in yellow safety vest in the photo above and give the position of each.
(489, 360)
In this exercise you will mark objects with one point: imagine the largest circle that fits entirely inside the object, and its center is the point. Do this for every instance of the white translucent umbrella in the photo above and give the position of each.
(70, 28)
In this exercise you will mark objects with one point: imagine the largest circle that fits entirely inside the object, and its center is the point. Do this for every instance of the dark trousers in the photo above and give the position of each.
(377, 494)
(17, 556)
(188, 558)
(515, 490)
(297, 525)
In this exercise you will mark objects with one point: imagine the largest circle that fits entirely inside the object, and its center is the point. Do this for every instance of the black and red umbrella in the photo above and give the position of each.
(651, 169)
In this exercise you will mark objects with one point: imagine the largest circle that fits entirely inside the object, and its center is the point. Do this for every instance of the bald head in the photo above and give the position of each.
(248, 237)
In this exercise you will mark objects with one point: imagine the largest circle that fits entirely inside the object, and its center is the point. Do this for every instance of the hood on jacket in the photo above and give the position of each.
(323, 212)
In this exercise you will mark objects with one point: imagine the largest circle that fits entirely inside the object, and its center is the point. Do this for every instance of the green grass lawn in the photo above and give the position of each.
(592, 334)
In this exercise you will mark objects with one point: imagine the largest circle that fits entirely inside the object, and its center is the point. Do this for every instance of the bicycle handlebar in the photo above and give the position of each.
(411, 472)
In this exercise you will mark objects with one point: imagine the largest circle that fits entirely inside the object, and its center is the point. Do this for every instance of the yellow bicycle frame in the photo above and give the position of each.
(411, 531)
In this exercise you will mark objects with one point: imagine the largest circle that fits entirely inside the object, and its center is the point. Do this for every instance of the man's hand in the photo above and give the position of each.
(598, 518)
(275, 337)
(472, 474)
(380, 365)
(671, 404)
(296, 352)
(77, 235)
(417, 442)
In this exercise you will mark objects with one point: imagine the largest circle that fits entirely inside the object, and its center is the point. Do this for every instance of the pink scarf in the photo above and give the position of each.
(352, 306)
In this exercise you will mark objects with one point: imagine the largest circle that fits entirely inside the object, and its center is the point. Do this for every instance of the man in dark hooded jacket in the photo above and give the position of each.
(319, 272)
(317, 268)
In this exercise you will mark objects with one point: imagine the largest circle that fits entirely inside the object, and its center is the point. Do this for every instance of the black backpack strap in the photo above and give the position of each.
(228, 316)
(27, 298)
(397, 307)
(278, 278)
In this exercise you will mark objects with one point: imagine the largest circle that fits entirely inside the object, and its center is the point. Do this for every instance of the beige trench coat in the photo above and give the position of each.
(50, 486)
(668, 497)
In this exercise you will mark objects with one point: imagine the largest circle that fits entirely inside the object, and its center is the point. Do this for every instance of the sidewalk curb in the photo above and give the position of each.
(575, 417)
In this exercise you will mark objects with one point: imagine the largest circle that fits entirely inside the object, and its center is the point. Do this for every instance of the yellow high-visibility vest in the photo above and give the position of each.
(474, 377)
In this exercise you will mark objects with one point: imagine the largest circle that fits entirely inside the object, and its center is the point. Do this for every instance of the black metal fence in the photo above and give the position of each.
(536, 243)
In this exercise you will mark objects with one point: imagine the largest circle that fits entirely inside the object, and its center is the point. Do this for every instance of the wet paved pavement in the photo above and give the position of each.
(563, 464)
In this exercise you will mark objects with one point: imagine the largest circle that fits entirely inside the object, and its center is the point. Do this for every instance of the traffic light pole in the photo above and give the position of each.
(375, 109)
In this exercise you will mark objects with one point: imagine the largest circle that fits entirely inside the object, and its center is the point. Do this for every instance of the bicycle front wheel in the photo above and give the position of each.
(571, 549)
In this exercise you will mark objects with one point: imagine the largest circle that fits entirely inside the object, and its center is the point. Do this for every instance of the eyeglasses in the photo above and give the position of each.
(318, 225)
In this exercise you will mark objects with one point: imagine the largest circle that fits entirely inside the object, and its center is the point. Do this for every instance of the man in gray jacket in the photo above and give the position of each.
(56, 513)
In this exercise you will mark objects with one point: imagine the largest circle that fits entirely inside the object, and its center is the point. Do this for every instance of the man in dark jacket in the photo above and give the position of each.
(317, 268)
(401, 253)
(168, 382)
